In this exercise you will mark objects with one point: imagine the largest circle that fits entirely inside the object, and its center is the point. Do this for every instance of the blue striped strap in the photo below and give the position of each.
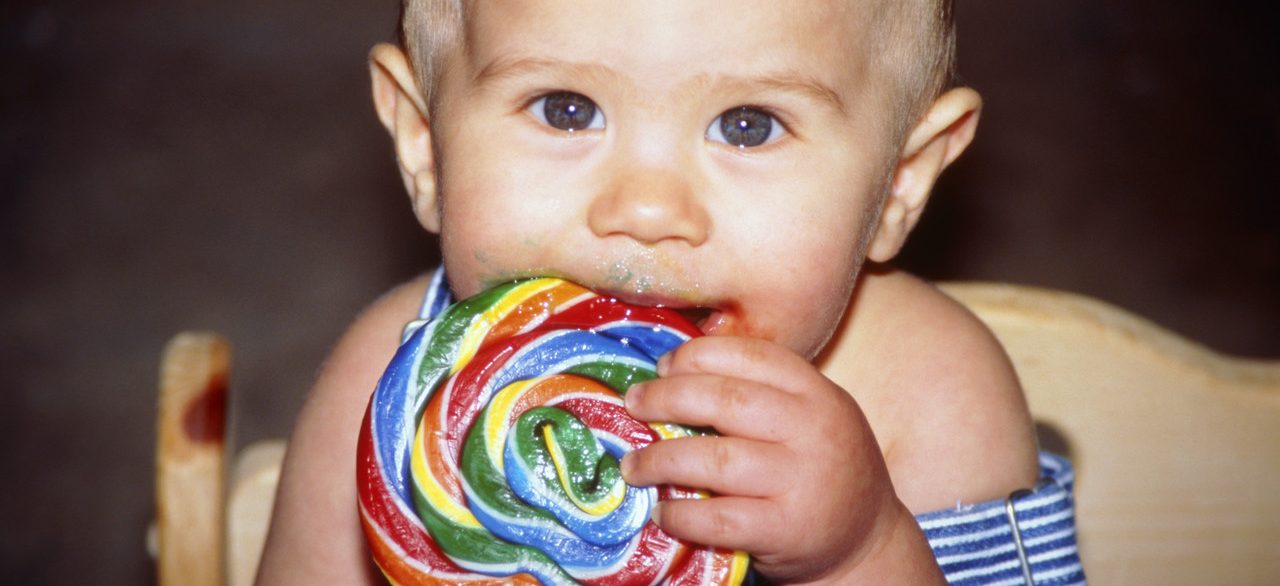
(978, 544)
(437, 298)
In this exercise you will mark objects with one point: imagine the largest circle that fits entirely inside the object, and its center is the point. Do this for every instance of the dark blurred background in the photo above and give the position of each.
(217, 165)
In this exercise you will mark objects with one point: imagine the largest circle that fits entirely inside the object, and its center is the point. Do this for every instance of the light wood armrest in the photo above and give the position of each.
(189, 460)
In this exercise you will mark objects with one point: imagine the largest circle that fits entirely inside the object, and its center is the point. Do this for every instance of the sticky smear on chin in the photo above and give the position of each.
(618, 275)
(649, 271)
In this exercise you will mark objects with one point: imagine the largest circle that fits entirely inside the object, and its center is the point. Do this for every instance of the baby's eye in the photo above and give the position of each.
(567, 111)
(744, 127)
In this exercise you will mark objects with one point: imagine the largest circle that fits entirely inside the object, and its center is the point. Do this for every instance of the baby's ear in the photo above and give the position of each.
(944, 132)
(403, 112)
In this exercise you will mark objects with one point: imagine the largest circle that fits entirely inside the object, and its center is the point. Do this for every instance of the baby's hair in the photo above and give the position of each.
(915, 38)
(429, 29)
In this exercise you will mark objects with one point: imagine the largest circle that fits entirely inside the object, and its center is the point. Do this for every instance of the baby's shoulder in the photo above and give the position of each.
(898, 325)
(939, 392)
(378, 325)
(362, 353)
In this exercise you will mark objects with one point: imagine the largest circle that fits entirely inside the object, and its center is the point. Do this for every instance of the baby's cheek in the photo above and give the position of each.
(816, 312)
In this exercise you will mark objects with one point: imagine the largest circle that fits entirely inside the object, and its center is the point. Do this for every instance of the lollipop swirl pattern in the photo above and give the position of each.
(490, 449)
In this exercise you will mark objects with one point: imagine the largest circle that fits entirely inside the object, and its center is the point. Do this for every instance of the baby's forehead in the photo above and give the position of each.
(829, 32)
(867, 16)
(861, 30)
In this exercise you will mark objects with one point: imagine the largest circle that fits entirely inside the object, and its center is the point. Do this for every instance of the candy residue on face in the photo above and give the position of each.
(649, 272)
(490, 449)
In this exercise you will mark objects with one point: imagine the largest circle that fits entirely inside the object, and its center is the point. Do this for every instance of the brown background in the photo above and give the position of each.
(193, 164)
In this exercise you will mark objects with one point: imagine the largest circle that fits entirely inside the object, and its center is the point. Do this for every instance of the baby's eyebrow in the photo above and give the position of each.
(788, 82)
(509, 67)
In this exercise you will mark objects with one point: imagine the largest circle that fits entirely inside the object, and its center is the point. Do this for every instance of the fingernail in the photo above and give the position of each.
(655, 514)
(664, 362)
(627, 464)
(633, 396)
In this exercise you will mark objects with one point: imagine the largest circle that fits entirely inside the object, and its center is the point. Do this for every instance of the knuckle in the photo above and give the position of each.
(721, 457)
(721, 523)
(729, 395)
(744, 398)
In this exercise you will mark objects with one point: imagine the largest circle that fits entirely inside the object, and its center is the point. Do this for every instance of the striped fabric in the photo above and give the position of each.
(437, 298)
(976, 544)
(973, 544)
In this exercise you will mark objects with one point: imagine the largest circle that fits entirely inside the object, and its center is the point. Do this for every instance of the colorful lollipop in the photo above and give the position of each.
(490, 449)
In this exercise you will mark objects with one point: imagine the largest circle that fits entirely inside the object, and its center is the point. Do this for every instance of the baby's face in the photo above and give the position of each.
(689, 153)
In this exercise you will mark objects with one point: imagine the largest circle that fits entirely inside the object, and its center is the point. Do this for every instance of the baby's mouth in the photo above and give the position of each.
(709, 320)
(698, 316)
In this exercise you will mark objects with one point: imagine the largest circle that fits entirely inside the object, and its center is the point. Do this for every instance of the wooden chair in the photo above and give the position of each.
(203, 536)
(1176, 448)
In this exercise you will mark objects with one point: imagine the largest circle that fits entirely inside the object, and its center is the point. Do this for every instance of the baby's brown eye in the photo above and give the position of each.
(744, 127)
(568, 111)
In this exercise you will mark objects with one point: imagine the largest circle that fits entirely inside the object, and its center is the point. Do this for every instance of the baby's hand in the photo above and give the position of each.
(801, 483)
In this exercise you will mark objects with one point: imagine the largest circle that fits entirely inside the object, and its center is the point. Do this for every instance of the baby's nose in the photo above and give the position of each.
(650, 205)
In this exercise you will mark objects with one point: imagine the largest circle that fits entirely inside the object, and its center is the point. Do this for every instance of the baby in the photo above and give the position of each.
(740, 161)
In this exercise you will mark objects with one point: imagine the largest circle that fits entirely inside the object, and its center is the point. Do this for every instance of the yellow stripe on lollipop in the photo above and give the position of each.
(428, 486)
(485, 321)
(495, 422)
(738, 569)
(668, 431)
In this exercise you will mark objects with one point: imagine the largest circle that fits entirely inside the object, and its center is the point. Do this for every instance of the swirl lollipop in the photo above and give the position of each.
(490, 449)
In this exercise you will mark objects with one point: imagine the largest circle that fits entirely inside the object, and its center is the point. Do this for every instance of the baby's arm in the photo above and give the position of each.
(315, 535)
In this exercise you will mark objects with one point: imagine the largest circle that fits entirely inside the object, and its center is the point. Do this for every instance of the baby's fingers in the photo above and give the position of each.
(724, 465)
(732, 406)
(743, 358)
(738, 523)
